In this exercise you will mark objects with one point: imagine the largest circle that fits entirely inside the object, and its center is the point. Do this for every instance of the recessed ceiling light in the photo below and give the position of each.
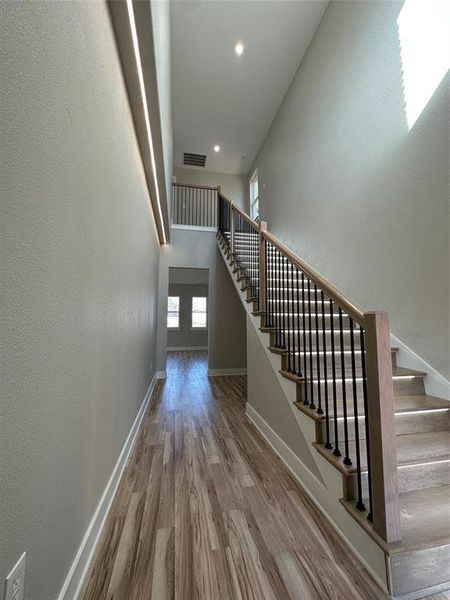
(216, 148)
(239, 49)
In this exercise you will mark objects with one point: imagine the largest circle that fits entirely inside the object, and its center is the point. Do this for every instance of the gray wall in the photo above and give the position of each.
(226, 331)
(346, 185)
(79, 273)
(266, 396)
(186, 337)
(234, 187)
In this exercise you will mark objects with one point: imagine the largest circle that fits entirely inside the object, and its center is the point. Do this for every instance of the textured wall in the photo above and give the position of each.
(185, 336)
(234, 187)
(226, 332)
(265, 395)
(79, 274)
(345, 184)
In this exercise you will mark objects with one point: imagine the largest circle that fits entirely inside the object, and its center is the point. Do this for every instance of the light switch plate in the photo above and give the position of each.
(15, 582)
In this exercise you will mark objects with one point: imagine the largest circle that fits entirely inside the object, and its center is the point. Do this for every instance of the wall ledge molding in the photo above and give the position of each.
(226, 372)
(77, 573)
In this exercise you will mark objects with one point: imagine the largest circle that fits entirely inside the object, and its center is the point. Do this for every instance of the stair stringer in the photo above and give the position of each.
(327, 491)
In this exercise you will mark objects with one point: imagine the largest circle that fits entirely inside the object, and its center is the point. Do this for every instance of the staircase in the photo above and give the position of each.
(374, 422)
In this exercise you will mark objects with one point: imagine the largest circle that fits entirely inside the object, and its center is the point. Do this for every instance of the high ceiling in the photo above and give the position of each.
(229, 100)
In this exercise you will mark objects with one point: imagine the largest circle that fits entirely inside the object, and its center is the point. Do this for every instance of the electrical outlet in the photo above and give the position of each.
(15, 582)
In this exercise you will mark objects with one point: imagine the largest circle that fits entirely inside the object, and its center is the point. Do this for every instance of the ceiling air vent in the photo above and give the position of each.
(196, 160)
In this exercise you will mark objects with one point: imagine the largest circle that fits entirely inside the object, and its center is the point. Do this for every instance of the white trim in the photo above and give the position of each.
(75, 578)
(180, 348)
(299, 471)
(435, 383)
(161, 375)
(226, 372)
(194, 228)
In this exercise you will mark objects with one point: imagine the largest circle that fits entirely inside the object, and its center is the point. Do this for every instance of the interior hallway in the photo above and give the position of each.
(205, 509)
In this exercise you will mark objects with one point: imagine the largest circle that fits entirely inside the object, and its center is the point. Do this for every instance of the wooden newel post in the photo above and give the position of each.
(232, 231)
(381, 420)
(262, 271)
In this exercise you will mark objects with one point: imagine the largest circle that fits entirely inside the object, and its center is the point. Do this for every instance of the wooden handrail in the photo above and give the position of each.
(355, 312)
(201, 187)
(253, 223)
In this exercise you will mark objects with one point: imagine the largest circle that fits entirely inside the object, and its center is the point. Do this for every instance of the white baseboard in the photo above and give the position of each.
(181, 348)
(75, 578)
(161, 375)
(225, 372)
(435, 383)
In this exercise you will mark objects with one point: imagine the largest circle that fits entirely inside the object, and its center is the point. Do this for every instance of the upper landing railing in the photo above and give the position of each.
(194, 206)
(339, 354)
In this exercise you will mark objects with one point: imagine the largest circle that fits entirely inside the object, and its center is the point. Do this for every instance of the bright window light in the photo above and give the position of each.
(173, 312)
(423, 28)
(199, 312)
(137, 57)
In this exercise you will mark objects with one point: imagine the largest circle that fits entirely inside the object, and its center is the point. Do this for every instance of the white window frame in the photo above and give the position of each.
(177, 312)
(254, 198)
(205, 312)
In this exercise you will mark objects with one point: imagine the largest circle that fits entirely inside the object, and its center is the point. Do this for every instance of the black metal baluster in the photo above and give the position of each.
(311, 370)
(305, 355)
(292, 313)
(325, 374)
(299, 338)
(256, 264)
(359, 504)
(266, 274)
(286, 310)
(336, 450)
(283, 286)
(277, 303)
(270, 290)
(366, 421)
(319, 383)
(347, 460)
(278, 293)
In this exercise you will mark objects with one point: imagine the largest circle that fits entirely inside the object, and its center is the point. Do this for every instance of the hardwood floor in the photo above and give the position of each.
(205, 510)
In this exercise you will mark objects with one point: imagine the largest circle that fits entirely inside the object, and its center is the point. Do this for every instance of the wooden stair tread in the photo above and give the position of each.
(403, 404)
(424, 517)
(404, 372)
(420, 402)
(411, 449)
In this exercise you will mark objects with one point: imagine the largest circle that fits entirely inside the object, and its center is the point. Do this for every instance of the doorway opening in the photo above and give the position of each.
(188, 310)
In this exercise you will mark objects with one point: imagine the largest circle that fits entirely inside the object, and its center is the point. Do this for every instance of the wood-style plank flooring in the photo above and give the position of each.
(205, 510)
